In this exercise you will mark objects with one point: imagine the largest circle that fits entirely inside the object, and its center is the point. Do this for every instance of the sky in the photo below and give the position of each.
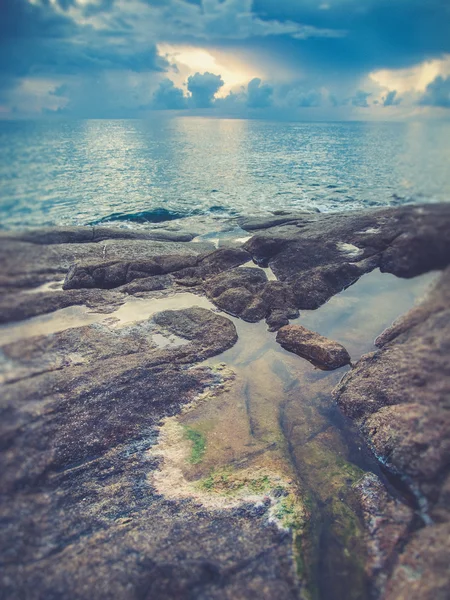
(280, 59)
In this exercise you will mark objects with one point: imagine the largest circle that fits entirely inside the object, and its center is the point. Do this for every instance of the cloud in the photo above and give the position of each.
(36, 40)
(379, 33)
(203, 88)
(103, 54)
(300, 98)
(391, 99)
(360, 99)
(259, 95)
(167, 96)
(223, 20)
(437, 93)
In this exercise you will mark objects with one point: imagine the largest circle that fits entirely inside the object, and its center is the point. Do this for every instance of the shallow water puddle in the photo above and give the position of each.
(356, 316)
(134, 309)
(275, 427)
(59, 320)
(50, 286)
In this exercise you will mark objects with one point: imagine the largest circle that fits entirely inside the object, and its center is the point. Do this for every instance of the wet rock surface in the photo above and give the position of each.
(318, 255)
(80, 517)
(313, 256)
(70, 235)
(29, 259)
(398, 396)
(316, 348)
(82, 408)
(422, 570)
(388, 522)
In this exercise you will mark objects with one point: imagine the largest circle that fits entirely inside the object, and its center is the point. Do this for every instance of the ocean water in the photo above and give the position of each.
(147, 172)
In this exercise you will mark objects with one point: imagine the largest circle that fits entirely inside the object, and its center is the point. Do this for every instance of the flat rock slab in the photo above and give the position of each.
(256, 223)
(69, 235)
(80, 517)
(26, 264)
(323, 352)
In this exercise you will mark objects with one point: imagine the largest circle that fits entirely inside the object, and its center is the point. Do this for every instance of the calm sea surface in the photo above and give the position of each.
(80, 172)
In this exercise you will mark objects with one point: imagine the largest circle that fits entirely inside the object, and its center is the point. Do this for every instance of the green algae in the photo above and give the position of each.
(290, 513)
(227, 482)
(198, 444)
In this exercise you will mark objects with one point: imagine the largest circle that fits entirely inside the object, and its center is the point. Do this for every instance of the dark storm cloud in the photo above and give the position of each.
(168, 97)
(36, 40)
(437, 93)
(259, 95)
(26, 33)
(203, 87)
(379, 33)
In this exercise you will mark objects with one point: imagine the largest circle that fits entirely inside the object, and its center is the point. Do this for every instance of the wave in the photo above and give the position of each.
(161, 215)
(156, 215)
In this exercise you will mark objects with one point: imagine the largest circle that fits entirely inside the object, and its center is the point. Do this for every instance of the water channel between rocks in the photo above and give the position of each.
(272, 433)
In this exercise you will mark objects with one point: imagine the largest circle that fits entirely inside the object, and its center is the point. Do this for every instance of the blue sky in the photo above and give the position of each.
(290, 59)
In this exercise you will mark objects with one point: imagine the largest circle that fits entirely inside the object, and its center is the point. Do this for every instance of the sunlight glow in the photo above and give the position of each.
(189, 60)
(413, 79)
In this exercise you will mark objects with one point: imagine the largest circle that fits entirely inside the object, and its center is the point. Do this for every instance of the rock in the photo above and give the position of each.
(234, 300)
(26, 264)
(441, 510)
(314, 288)
(422, 570)
(313, 256)
(276, 295)
(222, 260)
(279, 218)
(398, 396)
(107, 275)
(148, 284)
(81, 409)
(16, 307)
(72, 235)
(254, 311)
(319, 350)
(80, 517)
(236, 291)
(253, 280)
(277, 319)
(417, 251)
(199, 325)
(318, 255)
(387, 522)
(411, 439)
(245, 292)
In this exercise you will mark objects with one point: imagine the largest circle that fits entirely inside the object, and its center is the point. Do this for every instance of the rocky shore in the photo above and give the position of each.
(86, 393)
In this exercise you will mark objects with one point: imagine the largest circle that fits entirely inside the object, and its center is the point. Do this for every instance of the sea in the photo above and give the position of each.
(205, 173)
